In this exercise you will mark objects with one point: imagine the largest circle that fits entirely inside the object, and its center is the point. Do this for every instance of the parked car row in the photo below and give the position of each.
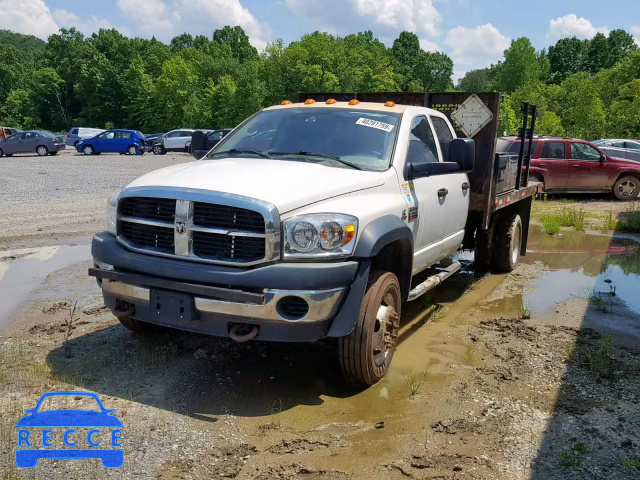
(35, 141)
(578, 166)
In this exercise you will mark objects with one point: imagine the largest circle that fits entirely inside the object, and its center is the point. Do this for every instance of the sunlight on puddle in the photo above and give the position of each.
(22, 271)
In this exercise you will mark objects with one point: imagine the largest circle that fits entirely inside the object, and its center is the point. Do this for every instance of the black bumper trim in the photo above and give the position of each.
(155, 282)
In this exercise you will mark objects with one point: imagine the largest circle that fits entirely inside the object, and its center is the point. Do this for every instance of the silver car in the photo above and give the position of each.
(628, 149)
(42, 143)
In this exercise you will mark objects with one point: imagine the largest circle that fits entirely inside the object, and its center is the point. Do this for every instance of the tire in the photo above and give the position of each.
(1, 153)
(482, 252)
(88, 150)
(158, 150)
(8, 155)
(136, 326)
(365, 354)
(75, 144)
(42, 150)
(132, 150)
(507, 241)
(626, 188)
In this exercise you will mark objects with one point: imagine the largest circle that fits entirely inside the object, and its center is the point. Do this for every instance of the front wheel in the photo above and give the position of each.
(42, 151)
(136, 326)
(88, 150)
(158, 150)
(132, 150)
(365, 354)
(507, 241)
(626, 188)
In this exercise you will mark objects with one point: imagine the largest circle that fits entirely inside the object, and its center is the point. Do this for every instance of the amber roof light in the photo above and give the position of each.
(354, 102)
(331, 101)
(390, 104)
(309, 101)
(286, 102)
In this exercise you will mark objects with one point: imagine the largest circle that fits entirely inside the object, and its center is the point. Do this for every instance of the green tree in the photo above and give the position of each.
(238, 41)
(566, 57)
(480, 80)
(434, 71)
(520, 67)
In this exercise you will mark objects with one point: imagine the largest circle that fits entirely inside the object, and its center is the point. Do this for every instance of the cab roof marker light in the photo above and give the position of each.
(331, 101)
(390, 104)
(353, 101)
(286, 102)
(309, 101)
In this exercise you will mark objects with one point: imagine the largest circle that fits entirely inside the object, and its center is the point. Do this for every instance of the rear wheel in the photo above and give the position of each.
(626, 188)
(42, 151)
(88, 150)
(365, 354)
(507, 241)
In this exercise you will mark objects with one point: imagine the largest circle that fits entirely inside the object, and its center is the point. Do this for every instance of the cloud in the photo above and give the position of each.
(29, 17)
(429, 46)
(476, 47)
(418, 16)
(635, 30)
(198, 17)
(572, 26)
(66, 19)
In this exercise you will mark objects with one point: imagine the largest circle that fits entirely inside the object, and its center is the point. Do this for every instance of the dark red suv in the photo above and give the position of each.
(577, 166)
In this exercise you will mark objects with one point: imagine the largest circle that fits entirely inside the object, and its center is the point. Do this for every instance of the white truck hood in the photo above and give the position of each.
(286, 184)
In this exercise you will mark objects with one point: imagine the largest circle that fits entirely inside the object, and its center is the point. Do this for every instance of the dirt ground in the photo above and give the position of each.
(532, 375)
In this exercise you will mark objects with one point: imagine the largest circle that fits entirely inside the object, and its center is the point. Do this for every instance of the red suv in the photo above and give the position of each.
(578, 166)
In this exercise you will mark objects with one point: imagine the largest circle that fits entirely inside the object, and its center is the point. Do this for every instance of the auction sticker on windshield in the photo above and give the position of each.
(375, 124)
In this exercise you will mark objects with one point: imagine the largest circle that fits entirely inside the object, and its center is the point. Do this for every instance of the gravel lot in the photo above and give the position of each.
(46, 198)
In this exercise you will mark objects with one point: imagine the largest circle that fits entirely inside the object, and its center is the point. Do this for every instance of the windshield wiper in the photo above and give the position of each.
(319, 155)
(239, 150)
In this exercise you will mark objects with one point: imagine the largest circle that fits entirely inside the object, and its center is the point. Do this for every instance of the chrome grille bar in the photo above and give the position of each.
(182, 236)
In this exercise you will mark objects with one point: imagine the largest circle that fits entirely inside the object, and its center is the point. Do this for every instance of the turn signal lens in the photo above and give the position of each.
(309, 101)
(390, 104)
(351, 232)
(331, 101)
(354, 102)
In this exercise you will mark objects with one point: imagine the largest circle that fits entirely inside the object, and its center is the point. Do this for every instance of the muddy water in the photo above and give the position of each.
(22, 271)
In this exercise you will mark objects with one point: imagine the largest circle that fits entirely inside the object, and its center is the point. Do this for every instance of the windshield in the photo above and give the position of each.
(361, 138)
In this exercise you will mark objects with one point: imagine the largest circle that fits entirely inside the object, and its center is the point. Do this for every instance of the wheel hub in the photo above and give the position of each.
(385, 333)
(626, 188)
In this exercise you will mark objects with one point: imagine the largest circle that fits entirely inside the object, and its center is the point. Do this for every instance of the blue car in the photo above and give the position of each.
(130, 142)
(28, 453)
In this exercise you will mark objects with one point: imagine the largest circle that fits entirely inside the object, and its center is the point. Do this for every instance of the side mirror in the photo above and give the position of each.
(418, 170)
(463, 152)
(198, 144)
(602, 158)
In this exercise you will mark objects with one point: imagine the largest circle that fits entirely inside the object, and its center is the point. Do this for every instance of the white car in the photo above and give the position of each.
(173, 141)
(308, 221)
(78, 134)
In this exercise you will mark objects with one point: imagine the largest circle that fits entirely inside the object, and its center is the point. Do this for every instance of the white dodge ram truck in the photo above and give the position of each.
(308, 221)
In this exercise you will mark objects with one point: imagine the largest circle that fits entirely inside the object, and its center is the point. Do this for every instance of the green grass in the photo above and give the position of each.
(551, 225)
(602, 303)
(524, 312)
(571, 457)
(414, 384)
(597, 359)
(630, 464)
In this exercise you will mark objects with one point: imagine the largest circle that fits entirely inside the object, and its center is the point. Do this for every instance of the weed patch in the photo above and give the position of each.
(573, 454)
(596, 359)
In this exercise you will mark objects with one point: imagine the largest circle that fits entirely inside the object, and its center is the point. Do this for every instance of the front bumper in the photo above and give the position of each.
(211, 299)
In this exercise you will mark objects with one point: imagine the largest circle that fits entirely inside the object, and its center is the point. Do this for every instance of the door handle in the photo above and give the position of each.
(575, 166)
(542, 165)
(443, 192)
(465, 186)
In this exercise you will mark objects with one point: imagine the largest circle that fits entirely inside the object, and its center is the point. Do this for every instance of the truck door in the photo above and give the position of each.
(456, 199)
(425, 209)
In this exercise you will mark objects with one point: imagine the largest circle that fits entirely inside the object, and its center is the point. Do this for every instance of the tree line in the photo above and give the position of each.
(584, 88)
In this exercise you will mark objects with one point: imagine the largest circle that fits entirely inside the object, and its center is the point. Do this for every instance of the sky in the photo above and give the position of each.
(474, 33)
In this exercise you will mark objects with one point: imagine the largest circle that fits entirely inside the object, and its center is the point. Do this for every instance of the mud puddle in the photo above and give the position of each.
(600, 273)
(22, 271)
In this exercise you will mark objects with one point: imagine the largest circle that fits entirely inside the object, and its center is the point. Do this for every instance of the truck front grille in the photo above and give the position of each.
(195, 230)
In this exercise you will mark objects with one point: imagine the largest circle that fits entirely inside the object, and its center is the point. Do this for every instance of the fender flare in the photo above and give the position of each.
(377, 235)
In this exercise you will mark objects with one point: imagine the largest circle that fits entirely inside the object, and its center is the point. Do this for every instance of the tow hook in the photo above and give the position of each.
(124, 309)
(242, 332)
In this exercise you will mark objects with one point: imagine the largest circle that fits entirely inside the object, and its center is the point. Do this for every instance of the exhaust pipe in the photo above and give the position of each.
(242, 332)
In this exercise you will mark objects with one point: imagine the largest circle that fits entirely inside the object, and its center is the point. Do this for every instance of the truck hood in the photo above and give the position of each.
(286, 184)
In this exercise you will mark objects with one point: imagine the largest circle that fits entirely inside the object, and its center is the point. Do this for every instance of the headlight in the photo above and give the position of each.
(112, 212)
(320, 235)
